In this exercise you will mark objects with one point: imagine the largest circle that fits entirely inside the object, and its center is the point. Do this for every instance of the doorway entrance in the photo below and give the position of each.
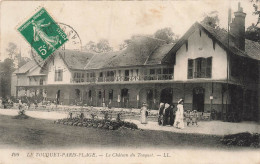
(198, 99)
(58, 97)
(124, 98)
(126, 75)
(166, 95)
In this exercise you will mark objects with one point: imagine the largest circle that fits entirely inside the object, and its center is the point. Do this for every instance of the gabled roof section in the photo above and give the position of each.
(159, 54)
(75, 59)
(141, 51)
(26, 67)
(221, 37)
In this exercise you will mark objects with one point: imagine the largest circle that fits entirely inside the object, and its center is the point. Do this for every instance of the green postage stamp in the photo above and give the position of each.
(43, 33)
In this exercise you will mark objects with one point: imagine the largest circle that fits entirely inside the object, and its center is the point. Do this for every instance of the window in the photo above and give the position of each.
(190, 68)
(152, 71)
(99, 94)
(126, 75)
(110, 76)
(199, 68)
(89, 94)
(90, 77)
(208, 67)
(78, 77)
(110, 94)
(167, 73)
(58, 75)
(100, 78)
(151, 74)
(159, 71)
(41, 81)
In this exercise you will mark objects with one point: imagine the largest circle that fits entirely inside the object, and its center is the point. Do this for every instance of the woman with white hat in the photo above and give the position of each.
(178, 123)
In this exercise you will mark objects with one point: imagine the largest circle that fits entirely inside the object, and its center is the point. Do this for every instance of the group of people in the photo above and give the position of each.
(169, 115)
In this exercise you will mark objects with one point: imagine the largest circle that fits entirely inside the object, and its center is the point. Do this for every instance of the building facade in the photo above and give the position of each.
(211, 69)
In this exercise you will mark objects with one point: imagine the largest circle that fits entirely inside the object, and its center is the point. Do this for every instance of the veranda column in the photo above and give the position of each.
(244, 102)
(154, 98)
(97, 97)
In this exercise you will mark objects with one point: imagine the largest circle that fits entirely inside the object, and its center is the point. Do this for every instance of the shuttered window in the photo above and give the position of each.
(202, 68)
(190, 68)
(209, 67)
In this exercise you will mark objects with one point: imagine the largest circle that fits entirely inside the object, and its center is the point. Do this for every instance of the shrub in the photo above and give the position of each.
(241, 139)
(97, 123)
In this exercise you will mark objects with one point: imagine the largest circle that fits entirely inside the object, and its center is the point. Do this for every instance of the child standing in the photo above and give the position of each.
(194, 117)
(188, 117)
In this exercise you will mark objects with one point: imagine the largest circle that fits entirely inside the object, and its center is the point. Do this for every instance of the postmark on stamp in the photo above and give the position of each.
(36, 32)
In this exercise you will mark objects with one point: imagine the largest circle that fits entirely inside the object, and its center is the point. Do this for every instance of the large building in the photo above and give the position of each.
(211, 69)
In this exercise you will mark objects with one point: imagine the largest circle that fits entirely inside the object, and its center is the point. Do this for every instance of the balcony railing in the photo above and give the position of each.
(199, 74)
(125, 78)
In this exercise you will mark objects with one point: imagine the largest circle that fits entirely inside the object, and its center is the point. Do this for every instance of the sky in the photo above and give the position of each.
(114, 20)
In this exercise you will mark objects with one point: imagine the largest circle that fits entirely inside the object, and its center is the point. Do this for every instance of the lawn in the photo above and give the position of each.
(40, 133)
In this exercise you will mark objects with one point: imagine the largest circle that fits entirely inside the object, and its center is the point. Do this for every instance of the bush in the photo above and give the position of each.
(241, 139)
(21, 115)
(96, 123)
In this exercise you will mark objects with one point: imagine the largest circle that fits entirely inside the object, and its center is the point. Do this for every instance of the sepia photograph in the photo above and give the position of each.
(130, 82)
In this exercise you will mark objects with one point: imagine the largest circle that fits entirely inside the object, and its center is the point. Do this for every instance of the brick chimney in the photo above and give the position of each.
(237, 27)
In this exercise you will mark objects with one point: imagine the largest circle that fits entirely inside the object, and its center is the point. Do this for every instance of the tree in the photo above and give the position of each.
(166, 34)
(253, 33)
(12, 50)
(15, 54)
(211, 19)
(257, 10)
(6, 70)
(90, 46)
(124, 44)
(101, 46)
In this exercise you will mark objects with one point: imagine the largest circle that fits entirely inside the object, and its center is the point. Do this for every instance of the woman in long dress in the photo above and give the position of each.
(160, 118)
(166, 114)
(144, 114)
(179, 123)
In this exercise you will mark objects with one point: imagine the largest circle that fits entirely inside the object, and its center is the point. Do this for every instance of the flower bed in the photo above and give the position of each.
(97, 123)
(242, 139)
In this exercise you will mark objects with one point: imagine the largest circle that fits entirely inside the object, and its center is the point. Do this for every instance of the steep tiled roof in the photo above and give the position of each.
(76, 59)
(221, 36)
(141, 51)
(253, 49)
(159, 53)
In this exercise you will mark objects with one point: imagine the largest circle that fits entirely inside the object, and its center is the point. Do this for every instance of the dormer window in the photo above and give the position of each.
(58, 75)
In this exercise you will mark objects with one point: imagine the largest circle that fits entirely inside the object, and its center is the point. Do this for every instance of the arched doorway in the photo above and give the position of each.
(198, 99)
(147, 95)
(90, 97)
(124, 97)
(58, 97)
(77, 96)
(166, 95)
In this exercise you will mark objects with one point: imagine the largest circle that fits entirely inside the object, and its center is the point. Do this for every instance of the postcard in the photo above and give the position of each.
(130, 81)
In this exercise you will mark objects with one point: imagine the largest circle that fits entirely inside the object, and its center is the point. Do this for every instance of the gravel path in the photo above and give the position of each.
(205, 127)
